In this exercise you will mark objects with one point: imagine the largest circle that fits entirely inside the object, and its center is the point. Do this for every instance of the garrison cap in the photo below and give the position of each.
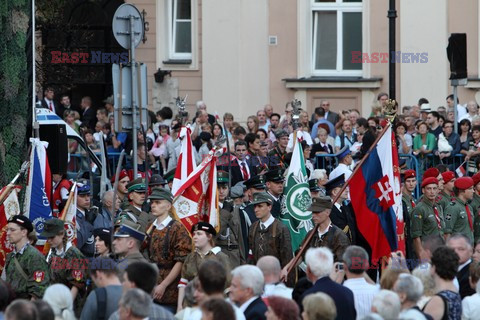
(204, 226)
(262, 197)
(257, 182)
(320, 203)
(156, 180)
(448, 176)
(343, 153)
(334, 183)
(431, 172)
(22, 221)
(275, 175)
(130, 229)
(463, 183)
(222, 177)
(137, 185)
(429, 180)
(52, 227)
(161, 194)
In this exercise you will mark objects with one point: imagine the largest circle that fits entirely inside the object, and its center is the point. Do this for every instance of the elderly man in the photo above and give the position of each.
(104, 219)
(271, 269)
(410, 289)
(201, 106)
(387, 304)
(463, 247)
(134, 305)
(245, 290)
(319, 266)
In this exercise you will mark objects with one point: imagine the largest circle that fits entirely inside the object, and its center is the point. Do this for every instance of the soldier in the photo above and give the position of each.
(25, 267)
(435, 173)
(122, 190)
(275, 180)
(476, 207)
(230, 236)
(277, 155)
(459, 215)
(253, 185)
(66, 263)
(427, 217)
(268, 236)
(168, 247)
(408, 202)
(134, 213)
(85, 239)
(446, 194)
(315, 190)
(127, 242)
(344, 161)
(203, 235)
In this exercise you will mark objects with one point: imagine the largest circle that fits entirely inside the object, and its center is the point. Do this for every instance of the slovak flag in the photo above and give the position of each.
(39, 188)
(377, 199)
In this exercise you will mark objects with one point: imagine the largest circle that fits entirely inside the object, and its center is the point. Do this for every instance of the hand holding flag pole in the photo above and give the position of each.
(8, 189)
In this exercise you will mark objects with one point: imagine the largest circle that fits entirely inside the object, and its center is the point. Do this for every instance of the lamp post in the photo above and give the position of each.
(392, 15)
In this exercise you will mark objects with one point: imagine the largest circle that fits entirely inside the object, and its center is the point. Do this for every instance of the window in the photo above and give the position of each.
(180, 33)
(336, 33)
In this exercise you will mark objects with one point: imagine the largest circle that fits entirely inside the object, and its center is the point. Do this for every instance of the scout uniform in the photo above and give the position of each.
(444, 197)
(441, 200)
(276, 176)
(459, 214)
(132, 213)
(334, 238)
(407, 198)
(270, 237)
(85, 239)
(476, 208)
(169, 243)
(230, 236)
(26, 270)
(195, 259)
(427, 217)
(408, 202)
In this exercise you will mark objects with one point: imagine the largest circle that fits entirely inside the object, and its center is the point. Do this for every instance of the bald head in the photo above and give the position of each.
(270, 267)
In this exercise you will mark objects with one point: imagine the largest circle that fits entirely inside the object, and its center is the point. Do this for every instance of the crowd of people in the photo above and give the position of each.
(132, 259)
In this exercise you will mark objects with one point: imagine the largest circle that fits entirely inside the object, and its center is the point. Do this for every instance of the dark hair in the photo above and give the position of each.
(447, 122)
(446, 261)
(45, 311)
(450, 96)
(217, 125)
(435, 114)
(362, 122)
(4, 295)
(276, 115)
(239, 130)
(381, 94)
(240, 143)
(250, 138)
(476, 128)
(166, 113)
(262, 130)
(22, 310)
(219, 308)
(320, 111)
(462, 122)
(104, 265)
(377, 121)
(422, 101)
(284, 309)
(401, 124)
(213, 277)
(143, 274)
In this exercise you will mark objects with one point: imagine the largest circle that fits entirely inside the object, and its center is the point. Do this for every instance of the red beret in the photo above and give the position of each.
(410, 173)
(122, 175)
(476, 178)
(431, 172)
(463, 183)
(448, 176)
(429, 180)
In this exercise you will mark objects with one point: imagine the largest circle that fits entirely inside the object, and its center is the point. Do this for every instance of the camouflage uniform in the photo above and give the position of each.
(423, 222)
(68, 267)
(456, 219)
(195, 259)
(31, 277)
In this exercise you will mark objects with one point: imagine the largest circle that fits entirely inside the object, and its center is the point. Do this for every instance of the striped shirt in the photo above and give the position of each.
(363, 294)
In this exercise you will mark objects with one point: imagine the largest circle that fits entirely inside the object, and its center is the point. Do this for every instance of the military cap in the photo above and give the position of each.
(463, 183)
(170, 175)
(410, 173)
(105, 234)
(236, 192)
(448, 176)
(137, 185)
(22, 221)
(429, 180)
(335, 182)
(130, 229)
(281, 133)
(313, 185)
(262, 197)
(431, 172)
(275, 175)
(122, 175)
(263, 144)
(204, 226)
(156, 180)
(83, 188)
(476, 178)
(222, 177)
(161, 194)
(345, 151)
(320, 203)
(52, 227)
(257, 182)
(241, 184)
(109, 100)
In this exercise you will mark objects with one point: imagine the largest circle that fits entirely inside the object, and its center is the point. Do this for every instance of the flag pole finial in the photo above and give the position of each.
(390, 110)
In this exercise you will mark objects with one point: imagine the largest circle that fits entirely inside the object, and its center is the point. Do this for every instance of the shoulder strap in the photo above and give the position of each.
(101, 294)
(19, 268)
(274, 228)
(166, 243)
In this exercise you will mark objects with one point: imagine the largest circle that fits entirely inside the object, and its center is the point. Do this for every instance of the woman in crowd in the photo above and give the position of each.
(280, 308)
(423, 144)
(476, 252)
(405, 141)
(59, 298)
(252, 124)
(423, 273)
(103, 242)
(471, 304)
(464, 128)
(217, 132)
(319, 306)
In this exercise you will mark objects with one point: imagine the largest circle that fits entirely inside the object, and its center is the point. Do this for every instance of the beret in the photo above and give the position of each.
(122, 175)
(431, 172)
(463, 183)
(429, 180)
(22, 221)
(410, 173)
(476, 178)
(204, 226)
(448, 176)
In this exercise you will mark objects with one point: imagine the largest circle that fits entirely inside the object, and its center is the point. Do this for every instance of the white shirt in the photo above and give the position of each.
(48, 104)
(341, 168)
(279, 289)
(197, 313)
(162, 225)
(245, 305)
(241, 167)
(471, 307)
(363, 294)
(268, 222)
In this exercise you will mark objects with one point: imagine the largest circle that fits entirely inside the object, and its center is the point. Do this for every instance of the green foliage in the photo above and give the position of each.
(14, 15)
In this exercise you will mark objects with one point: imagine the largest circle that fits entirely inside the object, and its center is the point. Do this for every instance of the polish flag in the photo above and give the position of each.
(8, 209)
(460, 171)
(186, 161)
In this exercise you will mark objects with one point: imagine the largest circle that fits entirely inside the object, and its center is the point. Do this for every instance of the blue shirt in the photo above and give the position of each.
(329, 124)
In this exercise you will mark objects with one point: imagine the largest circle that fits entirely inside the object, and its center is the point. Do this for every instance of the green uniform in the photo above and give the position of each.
(230, 237)
(424, 222)
(475, 203)
(409, 202)
(68, 268)
(195, 259)
(444, 200)
(29, 277)
(132, 214)
(456, 219)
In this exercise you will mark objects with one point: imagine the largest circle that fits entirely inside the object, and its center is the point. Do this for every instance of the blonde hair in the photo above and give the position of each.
(319, 306)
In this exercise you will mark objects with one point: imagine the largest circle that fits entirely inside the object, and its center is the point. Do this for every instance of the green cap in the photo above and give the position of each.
(275, 175)
(137, 185)
(52, 227)
(320, 204)
(222, 177)
(161, 194)
(170, 175)
(257, 182)
(262, 197)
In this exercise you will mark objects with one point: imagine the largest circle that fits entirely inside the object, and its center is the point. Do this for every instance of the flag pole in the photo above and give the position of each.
(8, 189)
(302, 250)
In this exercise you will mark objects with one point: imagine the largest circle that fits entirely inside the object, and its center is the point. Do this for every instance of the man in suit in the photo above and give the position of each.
(463, 247)
(319, 266)
(89, 116)
(331, 116)
(240, 168)
(48, 102)
(245, 290)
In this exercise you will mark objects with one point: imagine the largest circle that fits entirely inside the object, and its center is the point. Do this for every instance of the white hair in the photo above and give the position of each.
(200, 103)
(319, 261)
(423, 273)
(137, 301)
(319, 174)
(410, 285)
(58, 296)
(251, 277)
(107, 196)
(387, 304)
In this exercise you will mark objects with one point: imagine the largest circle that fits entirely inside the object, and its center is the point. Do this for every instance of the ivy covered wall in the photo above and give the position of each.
(14, 23)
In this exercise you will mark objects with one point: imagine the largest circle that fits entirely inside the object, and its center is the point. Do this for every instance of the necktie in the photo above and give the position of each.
(437, 217)
(413, 203)
(51, 106)
(244, 171)
(326, 148)
(262, 227)
(469, 214)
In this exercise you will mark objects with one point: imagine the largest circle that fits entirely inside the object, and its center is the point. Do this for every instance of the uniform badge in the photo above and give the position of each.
(38, 276)
(448, 216)
(77, 275)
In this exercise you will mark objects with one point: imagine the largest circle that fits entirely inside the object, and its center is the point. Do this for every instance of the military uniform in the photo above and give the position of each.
(275, 176)
(343, 217)
(277, 157)
(444, 200)
(334, 239)
(195, 259)
(85, 239)
(29, 277)
(132, 214)
(425, 221)
(457, 219)
(409, 202)
(230, 237)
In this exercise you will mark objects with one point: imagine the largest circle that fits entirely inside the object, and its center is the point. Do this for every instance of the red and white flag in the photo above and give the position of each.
(197, 198)
(8, 209)
(186, 160)
(460, 170)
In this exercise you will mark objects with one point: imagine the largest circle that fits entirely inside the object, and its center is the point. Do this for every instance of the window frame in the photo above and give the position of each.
(172, 24)
(339, 7)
